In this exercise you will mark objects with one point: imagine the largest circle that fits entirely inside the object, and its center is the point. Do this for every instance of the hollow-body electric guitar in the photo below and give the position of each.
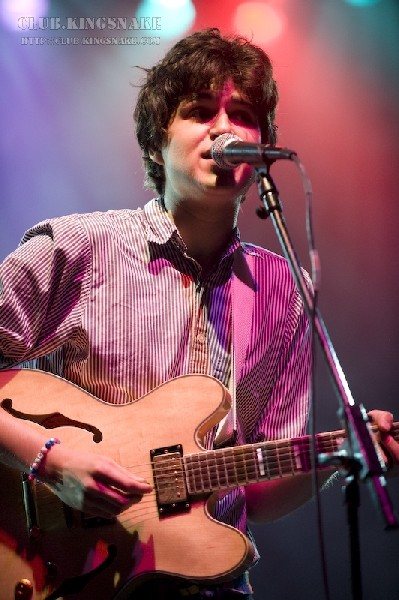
(49, 551)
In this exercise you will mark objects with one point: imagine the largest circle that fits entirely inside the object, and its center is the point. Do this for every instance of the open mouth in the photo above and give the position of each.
(224, 178)
(206, 154)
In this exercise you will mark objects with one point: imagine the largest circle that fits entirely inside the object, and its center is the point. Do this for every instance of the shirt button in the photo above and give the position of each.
(201, 338)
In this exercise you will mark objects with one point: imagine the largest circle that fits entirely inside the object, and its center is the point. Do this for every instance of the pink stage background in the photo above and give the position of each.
(67, 145)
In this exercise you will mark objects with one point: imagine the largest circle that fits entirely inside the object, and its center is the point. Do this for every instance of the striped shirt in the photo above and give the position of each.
(113, 302)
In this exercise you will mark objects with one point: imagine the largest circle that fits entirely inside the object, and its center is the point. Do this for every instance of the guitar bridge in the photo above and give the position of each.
(169, 480)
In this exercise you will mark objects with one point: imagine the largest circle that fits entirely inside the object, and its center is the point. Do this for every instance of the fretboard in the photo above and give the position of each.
(225, 468)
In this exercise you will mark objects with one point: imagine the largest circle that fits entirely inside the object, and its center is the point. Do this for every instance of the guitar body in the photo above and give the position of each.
(141, 542)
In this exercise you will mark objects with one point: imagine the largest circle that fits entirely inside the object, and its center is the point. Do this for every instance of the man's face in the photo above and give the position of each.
(189, 173)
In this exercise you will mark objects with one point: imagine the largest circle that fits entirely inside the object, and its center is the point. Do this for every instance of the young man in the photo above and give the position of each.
(124, 301)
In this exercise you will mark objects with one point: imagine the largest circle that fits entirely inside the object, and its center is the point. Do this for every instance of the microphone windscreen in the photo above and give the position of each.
(218, 147)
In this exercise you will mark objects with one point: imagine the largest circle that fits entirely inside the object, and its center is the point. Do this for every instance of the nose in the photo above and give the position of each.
(220, 124)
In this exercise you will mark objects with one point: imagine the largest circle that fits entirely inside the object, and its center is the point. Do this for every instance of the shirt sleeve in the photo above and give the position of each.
(286, 411)
(273, 391)
(42, 288)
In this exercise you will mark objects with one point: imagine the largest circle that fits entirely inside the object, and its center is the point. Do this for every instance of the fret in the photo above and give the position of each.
(213, 470)
(301, 450)
(238, 465)
(254, 458)
(287, 460)
(325, 442)
(195, 483)
(266, 460)
(224, 468)
(230, 466)
(253, 466)
(261, 464)
(270, 457)
(203, 473)
(275, 456)
(244, 471)
(188, 468)
(208, 470)
(250, 464)
(289, 468)
(244, 464)
(292, 468)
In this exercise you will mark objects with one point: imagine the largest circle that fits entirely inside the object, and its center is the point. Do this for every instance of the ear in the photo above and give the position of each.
(157, 157)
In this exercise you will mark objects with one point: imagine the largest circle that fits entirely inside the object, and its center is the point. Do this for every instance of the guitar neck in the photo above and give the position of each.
(225, 468)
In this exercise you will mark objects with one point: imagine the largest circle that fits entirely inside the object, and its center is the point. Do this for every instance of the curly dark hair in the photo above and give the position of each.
(193, 64)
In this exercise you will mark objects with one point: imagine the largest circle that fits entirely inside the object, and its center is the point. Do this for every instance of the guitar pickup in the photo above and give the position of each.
(169, 480)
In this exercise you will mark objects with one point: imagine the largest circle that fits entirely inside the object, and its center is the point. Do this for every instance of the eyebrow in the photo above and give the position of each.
(209, 95)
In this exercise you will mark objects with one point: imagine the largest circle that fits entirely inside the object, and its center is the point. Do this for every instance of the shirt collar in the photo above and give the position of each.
(161, 228)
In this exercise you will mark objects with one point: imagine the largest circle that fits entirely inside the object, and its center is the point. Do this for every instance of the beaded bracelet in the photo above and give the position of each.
(35, 466)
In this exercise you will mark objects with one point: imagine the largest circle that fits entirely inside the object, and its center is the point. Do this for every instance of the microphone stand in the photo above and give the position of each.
(361, 459)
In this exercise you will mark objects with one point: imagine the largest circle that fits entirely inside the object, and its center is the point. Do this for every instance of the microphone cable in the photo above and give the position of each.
(316, 277)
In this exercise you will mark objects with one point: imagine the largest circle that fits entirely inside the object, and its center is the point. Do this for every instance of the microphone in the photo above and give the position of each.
(229, 150)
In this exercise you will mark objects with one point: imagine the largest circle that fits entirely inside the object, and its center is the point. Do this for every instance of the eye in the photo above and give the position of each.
(244, 116)
(200, 113)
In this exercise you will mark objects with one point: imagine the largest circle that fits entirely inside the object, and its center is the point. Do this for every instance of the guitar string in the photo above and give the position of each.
(208, 455)
(327, 442)
(228, 456)
(282, 464)
(274, 465)
(147, 509)
(224, 472)
(138, 513)
(282, 448)
(199, 465)
(201, 479)
(204, 477)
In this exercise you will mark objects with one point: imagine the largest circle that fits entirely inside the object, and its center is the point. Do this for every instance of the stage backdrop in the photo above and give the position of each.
(68, 90)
